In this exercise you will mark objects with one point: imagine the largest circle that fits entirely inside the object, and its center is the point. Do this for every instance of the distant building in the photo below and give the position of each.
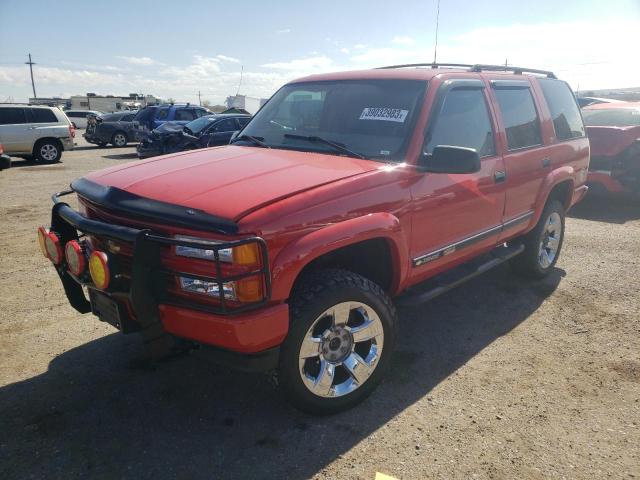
(111, 103)
(242, 102)
(51, 101)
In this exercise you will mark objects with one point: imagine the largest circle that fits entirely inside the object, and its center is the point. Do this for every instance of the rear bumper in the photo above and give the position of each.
(67, 143)
(578, 194)
(250, 329)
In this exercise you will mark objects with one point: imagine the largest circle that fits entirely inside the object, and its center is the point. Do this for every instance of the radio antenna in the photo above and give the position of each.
(435, 48)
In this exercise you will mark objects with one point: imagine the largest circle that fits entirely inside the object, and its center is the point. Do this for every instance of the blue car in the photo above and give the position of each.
(155, 115)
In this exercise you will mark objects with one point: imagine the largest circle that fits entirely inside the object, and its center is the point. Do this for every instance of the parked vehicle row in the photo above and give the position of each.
(37, 132)
(207, 131)
(614, 133)
(80, 118)
(283, 250)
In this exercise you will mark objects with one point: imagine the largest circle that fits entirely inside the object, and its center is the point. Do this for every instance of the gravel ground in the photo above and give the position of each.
(501, 378)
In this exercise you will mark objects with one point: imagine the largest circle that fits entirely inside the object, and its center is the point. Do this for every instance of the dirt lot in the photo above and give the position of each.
(503, 378)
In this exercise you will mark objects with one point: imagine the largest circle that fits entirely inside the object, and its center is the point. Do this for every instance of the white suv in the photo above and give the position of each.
(79, 118)
(35, 131)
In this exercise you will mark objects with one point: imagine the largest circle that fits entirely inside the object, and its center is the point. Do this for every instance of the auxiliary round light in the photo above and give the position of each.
(53, 248)
(99, 269)
(75, 258)
(42, 239)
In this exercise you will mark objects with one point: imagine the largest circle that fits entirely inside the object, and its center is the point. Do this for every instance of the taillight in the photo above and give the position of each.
(42, 241)
(72, 131)
(1, 149)
(99, 269)
(50, 245)
(75, 258)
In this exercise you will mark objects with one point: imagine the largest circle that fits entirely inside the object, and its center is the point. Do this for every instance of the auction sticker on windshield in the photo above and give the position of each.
(381, 113)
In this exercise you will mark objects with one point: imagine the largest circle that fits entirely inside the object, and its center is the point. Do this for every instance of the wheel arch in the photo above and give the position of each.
(559, 184)
(378, 238)
(39, 141)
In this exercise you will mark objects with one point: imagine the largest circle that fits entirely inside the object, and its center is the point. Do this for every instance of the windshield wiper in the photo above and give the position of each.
(257, 140)
(314, 138)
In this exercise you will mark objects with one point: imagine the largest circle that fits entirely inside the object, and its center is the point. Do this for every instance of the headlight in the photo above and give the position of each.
(246, 254)
(212, 289)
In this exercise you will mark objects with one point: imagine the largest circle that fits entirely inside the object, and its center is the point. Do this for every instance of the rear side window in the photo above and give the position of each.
(463, 121)
(564, 109)
(183, 114)
(43, 115)
(12, 116)
(519, 116)
(243, 121)
(162, 114)
(227, 125)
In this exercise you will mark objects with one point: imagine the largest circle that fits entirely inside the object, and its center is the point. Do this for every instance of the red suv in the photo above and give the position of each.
(284, 250)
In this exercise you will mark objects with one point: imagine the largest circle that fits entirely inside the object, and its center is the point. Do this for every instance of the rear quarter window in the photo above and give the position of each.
(519, 116)
(567, 121)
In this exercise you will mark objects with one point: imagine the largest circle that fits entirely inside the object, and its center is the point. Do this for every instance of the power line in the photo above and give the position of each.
(31, 64)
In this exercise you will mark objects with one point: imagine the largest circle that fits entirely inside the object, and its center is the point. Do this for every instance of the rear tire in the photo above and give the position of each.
(119, 139)
(543, 244)
(340, 341)
(47, 151)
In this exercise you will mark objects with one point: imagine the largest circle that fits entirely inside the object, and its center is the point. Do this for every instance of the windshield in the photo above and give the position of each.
(373, 118)
(612, 117)
(196, 126)
(145, 114)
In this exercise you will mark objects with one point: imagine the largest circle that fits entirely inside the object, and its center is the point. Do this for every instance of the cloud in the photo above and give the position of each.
(344, 50)
(284, 30)
(145, 61)
(310, 64)
(227, 59)
(403, 40)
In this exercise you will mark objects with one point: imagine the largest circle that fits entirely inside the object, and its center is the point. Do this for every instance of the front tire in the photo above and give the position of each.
(48, 151)
(340, 341)
(542, 244)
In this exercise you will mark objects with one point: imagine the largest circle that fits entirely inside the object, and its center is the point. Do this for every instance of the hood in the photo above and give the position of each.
(611, 141)
(230, 181)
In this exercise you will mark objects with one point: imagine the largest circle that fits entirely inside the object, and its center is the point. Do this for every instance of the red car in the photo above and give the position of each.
(285, 249)
(614, 133)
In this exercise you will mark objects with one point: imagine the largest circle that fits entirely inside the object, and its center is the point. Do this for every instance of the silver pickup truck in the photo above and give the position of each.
(34, 131)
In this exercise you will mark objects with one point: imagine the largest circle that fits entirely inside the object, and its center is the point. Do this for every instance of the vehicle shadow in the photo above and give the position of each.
(33, 165)
(122, 156)
(94, 413)
(607, 208)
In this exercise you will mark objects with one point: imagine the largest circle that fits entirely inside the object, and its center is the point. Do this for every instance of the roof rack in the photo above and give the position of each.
(478, 67)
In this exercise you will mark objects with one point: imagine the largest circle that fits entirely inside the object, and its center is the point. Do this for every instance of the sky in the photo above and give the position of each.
(174, 49)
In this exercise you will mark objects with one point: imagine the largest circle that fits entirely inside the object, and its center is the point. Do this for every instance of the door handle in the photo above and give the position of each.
(546, 163)
(499, 176)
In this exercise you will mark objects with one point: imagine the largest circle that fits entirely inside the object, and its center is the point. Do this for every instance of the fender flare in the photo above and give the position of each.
(294, 257)
(554, 178)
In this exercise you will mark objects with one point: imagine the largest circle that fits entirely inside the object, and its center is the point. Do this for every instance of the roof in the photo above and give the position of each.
(423, 72)
(610, 105)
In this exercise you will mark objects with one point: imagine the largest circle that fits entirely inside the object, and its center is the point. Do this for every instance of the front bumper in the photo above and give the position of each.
(250, 329)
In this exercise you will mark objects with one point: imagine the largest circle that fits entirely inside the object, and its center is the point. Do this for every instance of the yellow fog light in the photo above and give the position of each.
(99, 269)
(246, 254)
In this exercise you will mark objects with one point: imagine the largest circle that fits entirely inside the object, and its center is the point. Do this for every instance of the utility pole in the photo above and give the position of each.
(199, 98)
(31, 64)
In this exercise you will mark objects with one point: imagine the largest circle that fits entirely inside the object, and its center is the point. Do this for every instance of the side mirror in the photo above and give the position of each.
(449, 159)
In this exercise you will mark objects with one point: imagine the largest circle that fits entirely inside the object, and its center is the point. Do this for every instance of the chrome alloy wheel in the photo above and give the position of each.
(341, 349)
(49, 152)
(119, 140)
(550, 240)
